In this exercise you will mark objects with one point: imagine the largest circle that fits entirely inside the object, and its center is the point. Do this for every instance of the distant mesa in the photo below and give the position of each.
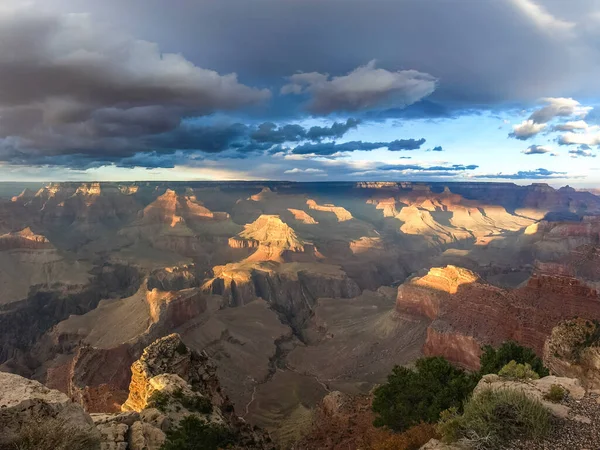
(172, 209)
(25, 238)
(262, 195)
(446, 279)
(387, 205)
(342, 214)
(365, 244)
(268, 231)
(302, 216)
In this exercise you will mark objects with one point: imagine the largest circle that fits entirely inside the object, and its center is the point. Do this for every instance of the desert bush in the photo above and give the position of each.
(450, 425)
(494, 359)
(412, 439)
(556, 394)
(159, 400)
(516, 371)
(194, 403)
(494, 416)
(49, 434)
(192, 433)
(411, 396)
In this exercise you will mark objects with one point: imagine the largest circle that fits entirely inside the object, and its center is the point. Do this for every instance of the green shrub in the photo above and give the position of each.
(493, 360)
(518, 371)
(556, 394)
(413, 396)
(198, 404)
(195, 434)
(450, 425)
(193, 403)
(181, 348)
(159, 400)
(494, 416)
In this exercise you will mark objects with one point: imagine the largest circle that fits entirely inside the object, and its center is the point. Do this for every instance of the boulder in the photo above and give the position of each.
(27, 405)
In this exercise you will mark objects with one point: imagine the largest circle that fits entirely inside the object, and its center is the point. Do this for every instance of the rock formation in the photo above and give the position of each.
(573, 350)
(302, 216)
(273, 239)
(341, 214)
(24, 239)
(182, 382)
(467, 313)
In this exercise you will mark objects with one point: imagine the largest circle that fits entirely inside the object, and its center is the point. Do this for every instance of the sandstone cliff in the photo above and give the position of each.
(466, 315)
(292, 288)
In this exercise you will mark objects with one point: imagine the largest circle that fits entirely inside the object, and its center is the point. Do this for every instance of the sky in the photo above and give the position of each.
(301, 90)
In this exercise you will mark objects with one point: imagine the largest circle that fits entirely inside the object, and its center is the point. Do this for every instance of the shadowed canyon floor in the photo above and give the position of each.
(293, 289)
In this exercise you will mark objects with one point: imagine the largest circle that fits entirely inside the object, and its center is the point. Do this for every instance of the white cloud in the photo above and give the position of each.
(307, 171)
(588, 138)
(541, 17)
(559, 107)
(365, 88)
(526, 129)
(573, 125)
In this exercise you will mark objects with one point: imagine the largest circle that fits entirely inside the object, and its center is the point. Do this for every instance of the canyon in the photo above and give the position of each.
(292, 290)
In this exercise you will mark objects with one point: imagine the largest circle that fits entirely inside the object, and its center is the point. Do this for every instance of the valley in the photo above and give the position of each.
(294, 290)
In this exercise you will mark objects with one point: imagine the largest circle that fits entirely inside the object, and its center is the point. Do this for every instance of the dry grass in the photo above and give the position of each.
(49, 434)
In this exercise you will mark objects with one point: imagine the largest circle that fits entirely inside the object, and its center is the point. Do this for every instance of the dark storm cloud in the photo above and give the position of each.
(330, 148)
(337, 130)
(537, 174)
(68, 86)
(483, 52)
(269, 132)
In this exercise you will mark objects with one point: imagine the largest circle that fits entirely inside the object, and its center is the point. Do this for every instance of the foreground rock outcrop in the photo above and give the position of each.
(170, 384)
(573, 350)
(28, 409)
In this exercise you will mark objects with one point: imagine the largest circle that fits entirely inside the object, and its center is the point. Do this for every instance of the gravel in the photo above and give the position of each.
(581, 431)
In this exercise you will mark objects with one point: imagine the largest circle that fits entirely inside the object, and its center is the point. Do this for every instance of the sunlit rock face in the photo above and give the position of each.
(466, 313)
(424, 295)
(341, 213)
